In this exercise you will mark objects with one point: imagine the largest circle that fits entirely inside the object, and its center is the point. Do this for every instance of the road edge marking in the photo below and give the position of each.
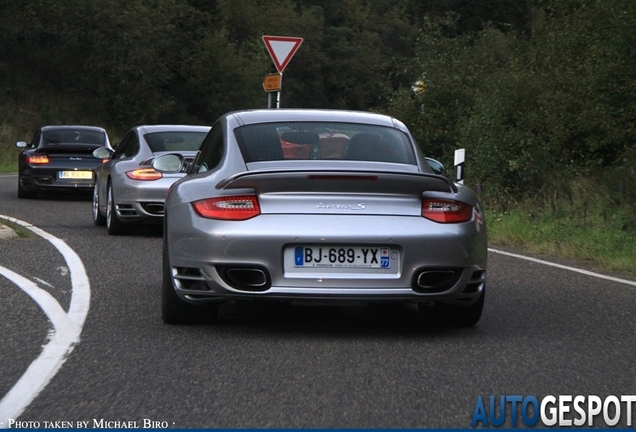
(67, 327)
(564, 267)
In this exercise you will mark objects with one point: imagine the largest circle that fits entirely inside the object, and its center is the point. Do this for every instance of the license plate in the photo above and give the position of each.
(338, 256)
(76, 174)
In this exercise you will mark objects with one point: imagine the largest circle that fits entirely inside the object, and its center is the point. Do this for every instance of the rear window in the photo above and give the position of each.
(323, 141)
(74, 136)
(174, 141)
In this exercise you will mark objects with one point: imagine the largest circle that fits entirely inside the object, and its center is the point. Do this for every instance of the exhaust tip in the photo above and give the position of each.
(250, 279)
(154, 208)
(428, 281)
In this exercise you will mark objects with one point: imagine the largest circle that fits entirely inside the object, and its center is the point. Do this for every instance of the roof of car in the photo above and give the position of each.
(296, 114)
(175, 128)
(63, 127)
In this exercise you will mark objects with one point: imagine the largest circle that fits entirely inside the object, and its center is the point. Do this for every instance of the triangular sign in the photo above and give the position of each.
(282, 49)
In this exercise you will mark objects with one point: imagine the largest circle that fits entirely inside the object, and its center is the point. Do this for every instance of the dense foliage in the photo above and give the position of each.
(533, 107)
(534, 90)
(124, 62)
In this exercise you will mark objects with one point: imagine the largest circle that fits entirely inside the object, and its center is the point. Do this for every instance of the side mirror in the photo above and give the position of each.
(169, 163)
(21, 144)
(436, 166)
(103, 153)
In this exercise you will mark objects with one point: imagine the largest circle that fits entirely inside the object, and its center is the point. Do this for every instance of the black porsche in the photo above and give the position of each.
(60, 158)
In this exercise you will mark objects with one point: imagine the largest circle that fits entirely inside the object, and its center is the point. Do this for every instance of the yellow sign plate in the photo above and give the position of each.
(272, 82)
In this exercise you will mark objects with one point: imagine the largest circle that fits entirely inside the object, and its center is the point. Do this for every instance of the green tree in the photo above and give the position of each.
(531, 107)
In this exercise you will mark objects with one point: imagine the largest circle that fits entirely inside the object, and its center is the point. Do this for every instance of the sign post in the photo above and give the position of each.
(281, 49)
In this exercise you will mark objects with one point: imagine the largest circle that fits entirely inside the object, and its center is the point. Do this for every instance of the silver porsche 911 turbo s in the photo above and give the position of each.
(128, 189)
(319, 205)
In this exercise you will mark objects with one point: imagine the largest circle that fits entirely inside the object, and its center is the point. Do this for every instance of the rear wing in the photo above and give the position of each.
(334, 181)
(70, 148)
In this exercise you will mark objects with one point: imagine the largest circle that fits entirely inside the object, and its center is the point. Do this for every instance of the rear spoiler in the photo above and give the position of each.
(390, 182)
(70, 148)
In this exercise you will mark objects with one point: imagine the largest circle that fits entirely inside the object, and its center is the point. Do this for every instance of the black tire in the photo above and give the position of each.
(176, 311)
(98, 218)
(453, 315)
(113, 224)
(25, 193)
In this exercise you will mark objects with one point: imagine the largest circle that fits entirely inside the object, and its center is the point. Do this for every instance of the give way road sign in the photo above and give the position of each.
(282, 49)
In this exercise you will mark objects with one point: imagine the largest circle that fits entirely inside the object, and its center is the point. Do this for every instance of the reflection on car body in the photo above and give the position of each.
(59, 158)
(319, 205)
(128, 189)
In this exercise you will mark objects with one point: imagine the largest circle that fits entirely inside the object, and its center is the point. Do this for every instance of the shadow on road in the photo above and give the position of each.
(267, 318)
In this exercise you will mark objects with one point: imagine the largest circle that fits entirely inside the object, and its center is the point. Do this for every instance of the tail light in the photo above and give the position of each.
(144, 174)
(38, 159)
(236, 208)
(446, 211)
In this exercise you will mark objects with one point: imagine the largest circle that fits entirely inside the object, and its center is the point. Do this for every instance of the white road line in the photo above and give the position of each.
(42, 282)
(564, 267)
(67, 327)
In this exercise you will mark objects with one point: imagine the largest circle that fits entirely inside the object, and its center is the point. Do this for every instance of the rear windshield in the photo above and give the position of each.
(323, 141)
(74, 136)
(174, 141)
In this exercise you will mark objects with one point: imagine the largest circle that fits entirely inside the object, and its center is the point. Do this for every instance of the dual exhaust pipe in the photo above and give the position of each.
(254, 279)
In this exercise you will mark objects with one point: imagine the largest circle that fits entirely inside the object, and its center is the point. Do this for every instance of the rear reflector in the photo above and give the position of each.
(144, 174)
(38, 159)
(228, 208)
(446, 211)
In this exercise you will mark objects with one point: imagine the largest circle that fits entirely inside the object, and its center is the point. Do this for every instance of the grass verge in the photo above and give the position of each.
(18, 229)
(586, 224)
(8, 151)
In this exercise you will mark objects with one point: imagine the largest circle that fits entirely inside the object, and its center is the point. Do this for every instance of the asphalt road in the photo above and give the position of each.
(545, 331)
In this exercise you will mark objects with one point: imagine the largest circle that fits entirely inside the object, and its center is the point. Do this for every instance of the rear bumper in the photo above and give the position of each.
(219, 261)
(46, 181)
(142, 201)
(215, 286)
